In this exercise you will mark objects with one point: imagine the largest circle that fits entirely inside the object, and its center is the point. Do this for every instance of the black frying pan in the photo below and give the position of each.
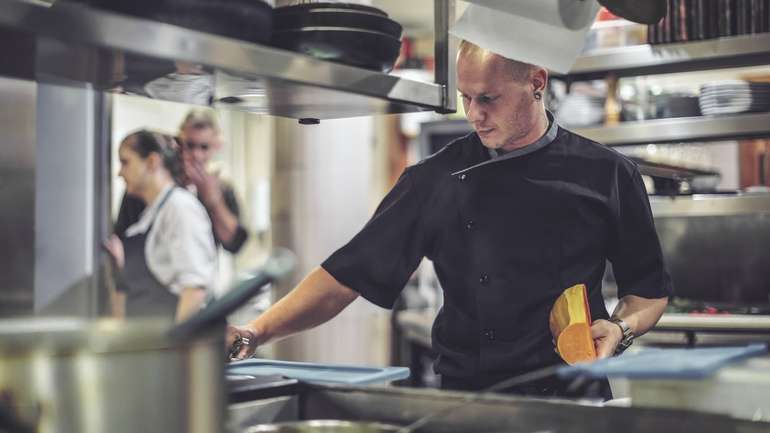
(356, 47)
(337, 6)
(639, 11)
(327, 17)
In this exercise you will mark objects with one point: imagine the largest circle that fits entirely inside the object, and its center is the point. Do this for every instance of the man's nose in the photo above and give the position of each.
(475, 113)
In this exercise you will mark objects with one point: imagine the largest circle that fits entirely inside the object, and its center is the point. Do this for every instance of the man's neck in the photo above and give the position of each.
(538, 130)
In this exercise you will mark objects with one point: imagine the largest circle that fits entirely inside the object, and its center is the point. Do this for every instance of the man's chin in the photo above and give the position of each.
(491, 145)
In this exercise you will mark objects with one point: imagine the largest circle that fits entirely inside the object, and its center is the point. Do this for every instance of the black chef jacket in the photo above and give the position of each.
(506, 236)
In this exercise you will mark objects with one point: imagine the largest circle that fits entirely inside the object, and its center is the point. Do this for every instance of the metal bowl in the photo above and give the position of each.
(324, 426)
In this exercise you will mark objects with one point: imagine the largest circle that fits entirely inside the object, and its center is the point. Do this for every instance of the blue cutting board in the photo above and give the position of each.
(694, 363)
(318, 373)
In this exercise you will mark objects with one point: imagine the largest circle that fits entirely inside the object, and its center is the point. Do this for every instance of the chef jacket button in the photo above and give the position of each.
(489, 334)
(462, 176)
(484, 279)
(469, 225)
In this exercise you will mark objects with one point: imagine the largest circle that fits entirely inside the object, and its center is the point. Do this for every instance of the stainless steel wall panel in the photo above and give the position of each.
(70, 212)
(17, 195)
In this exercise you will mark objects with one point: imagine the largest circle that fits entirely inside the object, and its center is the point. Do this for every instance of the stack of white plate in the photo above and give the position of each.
(734, 96)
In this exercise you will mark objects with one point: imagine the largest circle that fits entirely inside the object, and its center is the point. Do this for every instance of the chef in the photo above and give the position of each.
(167, 261)
(511, 215)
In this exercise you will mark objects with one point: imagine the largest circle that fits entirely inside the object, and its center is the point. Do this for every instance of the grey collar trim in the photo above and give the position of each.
(542, 142)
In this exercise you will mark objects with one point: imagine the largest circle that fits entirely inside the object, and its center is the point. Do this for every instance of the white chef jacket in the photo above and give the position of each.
(179, 250)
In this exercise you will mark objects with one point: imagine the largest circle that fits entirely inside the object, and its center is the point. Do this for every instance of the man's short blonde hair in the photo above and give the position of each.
(519, 71)
(200, 119)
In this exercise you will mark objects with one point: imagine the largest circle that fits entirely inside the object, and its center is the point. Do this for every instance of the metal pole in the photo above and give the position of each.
(445, 53)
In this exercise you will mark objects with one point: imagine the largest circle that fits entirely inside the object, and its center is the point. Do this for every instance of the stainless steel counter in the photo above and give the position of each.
(487, 413)
(716, 322)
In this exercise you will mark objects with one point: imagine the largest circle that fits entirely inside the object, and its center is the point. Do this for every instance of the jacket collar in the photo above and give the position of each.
(545, 140)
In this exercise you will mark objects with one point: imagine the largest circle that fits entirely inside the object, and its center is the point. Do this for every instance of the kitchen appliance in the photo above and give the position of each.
(715, 248)
(67, 375)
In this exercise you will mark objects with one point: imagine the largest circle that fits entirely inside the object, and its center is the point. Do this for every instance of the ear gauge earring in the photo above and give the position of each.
(538, 95)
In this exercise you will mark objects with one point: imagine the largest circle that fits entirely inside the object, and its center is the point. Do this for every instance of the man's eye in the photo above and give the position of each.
(486, 99)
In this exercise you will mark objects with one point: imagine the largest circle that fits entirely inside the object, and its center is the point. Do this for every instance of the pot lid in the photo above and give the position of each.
(66, 335)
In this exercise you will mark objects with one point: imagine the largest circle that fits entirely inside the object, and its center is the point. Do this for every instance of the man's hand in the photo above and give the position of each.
(206, 184)
(240, 342)
(607, 336)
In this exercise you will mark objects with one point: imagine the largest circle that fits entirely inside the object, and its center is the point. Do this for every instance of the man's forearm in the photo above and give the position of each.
(316, 299)
(641, 314)
(225, 224)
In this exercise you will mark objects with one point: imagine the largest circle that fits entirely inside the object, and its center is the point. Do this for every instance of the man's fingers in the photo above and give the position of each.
(604, 340)
(603, 349)
(241, 343)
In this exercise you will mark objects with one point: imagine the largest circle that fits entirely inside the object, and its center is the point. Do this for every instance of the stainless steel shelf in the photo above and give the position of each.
(705, 128)
(723, 323)
(667, 58)
(78, 44)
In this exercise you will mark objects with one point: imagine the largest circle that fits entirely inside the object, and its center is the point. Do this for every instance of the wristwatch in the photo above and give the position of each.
(628, 335)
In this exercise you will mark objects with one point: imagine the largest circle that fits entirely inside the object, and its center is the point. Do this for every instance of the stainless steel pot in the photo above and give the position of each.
(109, 376)
(324, 426)
(80, 376)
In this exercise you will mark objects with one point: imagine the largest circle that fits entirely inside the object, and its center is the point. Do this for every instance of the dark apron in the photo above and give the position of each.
(145, 295)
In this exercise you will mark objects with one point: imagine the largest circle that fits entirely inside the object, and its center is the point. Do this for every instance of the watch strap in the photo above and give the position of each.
(628, 335)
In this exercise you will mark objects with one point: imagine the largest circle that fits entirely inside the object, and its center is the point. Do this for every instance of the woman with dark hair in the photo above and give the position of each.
(168, 258)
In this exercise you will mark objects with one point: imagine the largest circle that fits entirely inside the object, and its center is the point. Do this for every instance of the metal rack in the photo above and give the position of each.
(683, 129)
(69, 42)
(670, 58)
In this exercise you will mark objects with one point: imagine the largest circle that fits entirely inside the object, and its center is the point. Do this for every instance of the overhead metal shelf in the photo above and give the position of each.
(726, 52)
(73, 43)
(684, 129)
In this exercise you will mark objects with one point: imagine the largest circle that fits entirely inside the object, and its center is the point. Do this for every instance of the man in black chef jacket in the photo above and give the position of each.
(511, 215)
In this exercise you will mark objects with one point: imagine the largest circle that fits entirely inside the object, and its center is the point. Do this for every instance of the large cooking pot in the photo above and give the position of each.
(78, 376)
(72, 375)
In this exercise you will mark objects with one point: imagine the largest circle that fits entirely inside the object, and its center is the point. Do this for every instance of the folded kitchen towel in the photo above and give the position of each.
(667, 363)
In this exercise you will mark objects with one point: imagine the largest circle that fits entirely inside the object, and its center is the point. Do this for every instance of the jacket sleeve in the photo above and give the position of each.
(635, 251)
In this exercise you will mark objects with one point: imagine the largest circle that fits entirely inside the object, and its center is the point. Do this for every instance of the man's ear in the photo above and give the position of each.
(539, 80)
